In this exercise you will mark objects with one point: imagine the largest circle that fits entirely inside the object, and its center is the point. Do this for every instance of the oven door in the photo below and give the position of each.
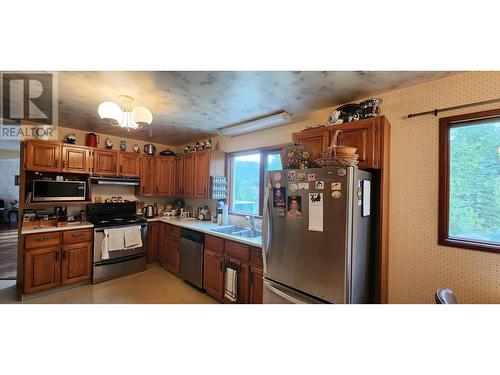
(117, 254)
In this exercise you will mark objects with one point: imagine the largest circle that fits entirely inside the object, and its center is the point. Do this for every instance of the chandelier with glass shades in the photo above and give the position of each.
(127, 116)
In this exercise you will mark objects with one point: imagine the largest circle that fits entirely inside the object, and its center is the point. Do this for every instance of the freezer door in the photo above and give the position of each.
(316, 263)
(274, 293)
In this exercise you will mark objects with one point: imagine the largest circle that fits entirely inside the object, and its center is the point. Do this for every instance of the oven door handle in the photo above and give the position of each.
(119, 260)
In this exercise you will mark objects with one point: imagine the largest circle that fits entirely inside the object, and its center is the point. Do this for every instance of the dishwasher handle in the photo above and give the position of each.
(192, 235)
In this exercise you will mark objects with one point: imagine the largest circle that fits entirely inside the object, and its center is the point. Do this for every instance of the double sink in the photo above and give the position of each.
(238, 230)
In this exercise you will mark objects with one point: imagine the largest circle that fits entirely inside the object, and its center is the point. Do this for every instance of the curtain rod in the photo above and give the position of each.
(437, 110)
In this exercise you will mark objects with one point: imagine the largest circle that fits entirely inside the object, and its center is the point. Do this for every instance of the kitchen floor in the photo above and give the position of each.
(152, 286)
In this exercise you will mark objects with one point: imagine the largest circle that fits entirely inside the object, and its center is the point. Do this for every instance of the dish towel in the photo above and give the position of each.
(133, 237)
(105, 245)
(116, 238)
(231, 285)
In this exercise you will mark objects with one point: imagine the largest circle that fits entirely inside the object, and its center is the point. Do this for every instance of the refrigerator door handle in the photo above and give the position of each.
(266, 229)
(283, 295)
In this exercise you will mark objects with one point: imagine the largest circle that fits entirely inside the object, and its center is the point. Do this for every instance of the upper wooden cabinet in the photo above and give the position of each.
(178, 178)
(316, 138)
(188, 175)
(105, 162)
(76, 159)
(365, 135)
(42, 156)
(130, 165)
(148, 176)
(165, 176)
(201, 174)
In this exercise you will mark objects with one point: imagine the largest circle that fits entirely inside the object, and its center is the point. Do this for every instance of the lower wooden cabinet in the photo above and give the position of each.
(256, 285)
(171, 247)
(243, 277)
(57, 258)
(213, 274)
(41, 269)
(154, 240)
(76, 262)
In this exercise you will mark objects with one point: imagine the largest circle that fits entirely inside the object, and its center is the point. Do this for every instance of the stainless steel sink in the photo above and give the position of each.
(238, 230)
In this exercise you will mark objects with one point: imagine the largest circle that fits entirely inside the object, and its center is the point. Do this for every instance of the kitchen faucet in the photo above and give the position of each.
(251, 220)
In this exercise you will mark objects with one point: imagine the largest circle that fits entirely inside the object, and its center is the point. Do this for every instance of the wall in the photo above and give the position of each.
(417, 265)
(9, 191)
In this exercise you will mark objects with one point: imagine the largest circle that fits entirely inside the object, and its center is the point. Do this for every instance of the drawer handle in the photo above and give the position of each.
(41, 239)
(76, 235)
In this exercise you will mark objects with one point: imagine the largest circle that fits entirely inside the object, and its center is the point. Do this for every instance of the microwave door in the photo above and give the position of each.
(47, 191)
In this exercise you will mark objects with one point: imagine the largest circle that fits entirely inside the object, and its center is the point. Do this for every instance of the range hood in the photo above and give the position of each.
(106, 180)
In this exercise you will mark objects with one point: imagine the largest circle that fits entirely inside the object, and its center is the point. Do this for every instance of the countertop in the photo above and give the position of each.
(51, 228)
(206, 227)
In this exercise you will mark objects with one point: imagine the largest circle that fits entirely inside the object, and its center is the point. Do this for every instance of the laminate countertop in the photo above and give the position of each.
(207, 228)
(52, 228)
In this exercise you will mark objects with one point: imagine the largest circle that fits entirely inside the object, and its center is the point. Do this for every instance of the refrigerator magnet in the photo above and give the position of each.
(316, 212)
(304, 185)
(336, 185)
(277, 185)
(311, 177)
(341, 172)
(281, 212)
(277, 176)
(279, 195)
(290, 176)
(293, 188)
(294, 208)
(301, 177)
(320, 185)
(336, 194)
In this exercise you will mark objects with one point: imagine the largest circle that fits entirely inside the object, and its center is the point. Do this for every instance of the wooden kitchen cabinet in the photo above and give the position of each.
(76, 262)
(130, 164)
(42, 269)
(172, 244)
(256, 285)
(105, 162)
(316, 138)
(155, 240)
(213, 274)
(201, 174)
(42, 156)
(76, 159)
(188, 175)
(165, 176)
(148, 176)
(179, 174)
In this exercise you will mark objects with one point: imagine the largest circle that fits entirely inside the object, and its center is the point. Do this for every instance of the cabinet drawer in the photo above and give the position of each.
(77, 236)
(34, 241)
(256, 257)
(172, 230)
(214, 243)
(237, 250)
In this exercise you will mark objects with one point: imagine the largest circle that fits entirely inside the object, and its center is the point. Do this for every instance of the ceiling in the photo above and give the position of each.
(188, 106)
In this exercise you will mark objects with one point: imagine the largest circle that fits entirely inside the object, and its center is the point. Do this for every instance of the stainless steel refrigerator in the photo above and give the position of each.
(316, 236)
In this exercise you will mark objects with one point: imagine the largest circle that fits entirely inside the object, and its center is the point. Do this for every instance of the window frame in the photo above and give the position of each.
(264, 151)
(445, 124)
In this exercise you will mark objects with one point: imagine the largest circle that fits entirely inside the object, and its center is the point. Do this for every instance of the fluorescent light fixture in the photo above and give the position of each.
(256, 125)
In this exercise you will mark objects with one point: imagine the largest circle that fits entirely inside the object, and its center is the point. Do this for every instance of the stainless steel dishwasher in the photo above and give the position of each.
(192, 248)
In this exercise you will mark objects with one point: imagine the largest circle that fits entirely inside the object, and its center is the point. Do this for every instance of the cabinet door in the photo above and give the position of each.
(76, 262)
(361, 134)
(129, 164)
(243, 282)
(213, 274)
(41, 269)
(154, 242)
(165, 176)
(317, 139)
(105, 162)
(179, 173)
(172, 253)
(148, 176)
(188, 175)
(201, 174)
(256, 285)
(76, 159)
(43, 156)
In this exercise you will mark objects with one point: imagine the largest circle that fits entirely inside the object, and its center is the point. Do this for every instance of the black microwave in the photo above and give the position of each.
(51, 190)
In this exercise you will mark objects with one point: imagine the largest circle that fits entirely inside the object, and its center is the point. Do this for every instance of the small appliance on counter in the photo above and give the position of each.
(149, 211)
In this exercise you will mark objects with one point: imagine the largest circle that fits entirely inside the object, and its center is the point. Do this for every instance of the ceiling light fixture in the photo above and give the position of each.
(127, 116)
(256, 125)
